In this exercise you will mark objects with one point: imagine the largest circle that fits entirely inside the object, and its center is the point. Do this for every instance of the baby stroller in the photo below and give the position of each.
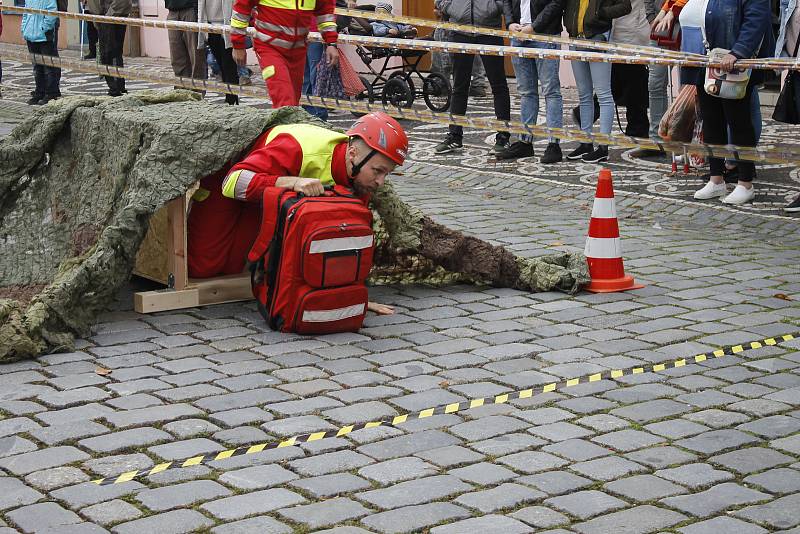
(398, 85)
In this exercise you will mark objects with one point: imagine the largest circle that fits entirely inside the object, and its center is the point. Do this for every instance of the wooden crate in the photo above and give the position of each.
(162, 258)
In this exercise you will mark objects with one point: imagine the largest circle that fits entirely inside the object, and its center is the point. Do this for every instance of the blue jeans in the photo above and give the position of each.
(657, 89)
(594, 78)
(530, 72)
(313, 57)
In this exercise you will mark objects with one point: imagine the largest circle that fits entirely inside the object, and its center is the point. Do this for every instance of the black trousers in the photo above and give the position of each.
(46, 78)
(718, 115)
(112, 37)
(462, 74)
(227, 66)
(91, 33)
(629, 87)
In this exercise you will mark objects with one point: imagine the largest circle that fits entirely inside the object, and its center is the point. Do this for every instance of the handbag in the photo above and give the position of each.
(671, 37)
(786, 108)
(679, 121)
(728, 85)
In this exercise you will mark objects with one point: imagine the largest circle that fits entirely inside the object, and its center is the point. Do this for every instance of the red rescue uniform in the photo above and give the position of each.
(226, 212)
(282, 27)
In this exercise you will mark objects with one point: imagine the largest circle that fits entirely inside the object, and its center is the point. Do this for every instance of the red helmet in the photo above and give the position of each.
(383, 134)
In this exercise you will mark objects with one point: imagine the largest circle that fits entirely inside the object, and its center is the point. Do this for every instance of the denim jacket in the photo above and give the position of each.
(35, 27)
(787, 9)
(741, 26)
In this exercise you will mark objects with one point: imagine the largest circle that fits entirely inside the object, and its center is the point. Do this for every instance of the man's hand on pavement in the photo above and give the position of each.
(310, 187)
(240, 56)
(380, 309)
(332, 55)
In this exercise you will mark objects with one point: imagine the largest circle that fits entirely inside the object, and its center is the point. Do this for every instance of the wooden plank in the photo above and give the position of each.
(165, 299)
(176, 242)
(223, 288)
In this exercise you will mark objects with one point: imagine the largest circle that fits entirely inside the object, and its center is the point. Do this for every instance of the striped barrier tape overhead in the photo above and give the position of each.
(643, 58)
(541, 38)
(454, 407)
(773, 153)
(213, 28)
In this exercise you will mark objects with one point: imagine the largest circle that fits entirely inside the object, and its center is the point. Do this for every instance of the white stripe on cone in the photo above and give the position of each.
(604, 208)
(603, 247)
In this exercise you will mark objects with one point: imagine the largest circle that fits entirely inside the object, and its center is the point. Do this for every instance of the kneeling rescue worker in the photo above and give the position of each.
(226, 213)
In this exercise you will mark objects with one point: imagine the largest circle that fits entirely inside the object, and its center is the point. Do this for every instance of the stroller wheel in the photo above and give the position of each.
(407, 79)
(397, 93)
(367, 94)
(436, 92)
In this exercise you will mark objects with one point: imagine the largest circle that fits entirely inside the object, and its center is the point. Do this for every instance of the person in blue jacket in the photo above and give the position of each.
(744, 28)
(39, 32)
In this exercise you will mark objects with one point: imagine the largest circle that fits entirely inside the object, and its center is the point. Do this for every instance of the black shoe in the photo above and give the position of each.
(49, 98)
(576, 112)
(34, 101)
(597, 155)
(552, 154)
(517, 149)
(90, 55)
(648, 153)
(793, 206)
(500, 143)
(450, 144)
(583, 148)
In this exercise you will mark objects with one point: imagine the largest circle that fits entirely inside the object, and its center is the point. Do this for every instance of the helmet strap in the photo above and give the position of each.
(358, 166)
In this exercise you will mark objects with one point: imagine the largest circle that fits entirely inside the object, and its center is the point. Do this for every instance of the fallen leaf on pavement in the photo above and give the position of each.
(102, 371)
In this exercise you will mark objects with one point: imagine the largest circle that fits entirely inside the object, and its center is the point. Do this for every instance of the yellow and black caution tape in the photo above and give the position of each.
(644, 57)
(611, 374)
(775, 153)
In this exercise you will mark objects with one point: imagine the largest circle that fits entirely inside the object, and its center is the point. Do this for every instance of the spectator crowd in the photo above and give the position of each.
(725, 99)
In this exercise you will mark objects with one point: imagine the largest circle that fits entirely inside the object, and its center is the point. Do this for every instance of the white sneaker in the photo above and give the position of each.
(711, 190)
(740, 195)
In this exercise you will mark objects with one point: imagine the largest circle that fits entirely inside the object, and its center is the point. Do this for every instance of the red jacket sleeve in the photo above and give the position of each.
(326, 20)
(262, 167)
(240, 20)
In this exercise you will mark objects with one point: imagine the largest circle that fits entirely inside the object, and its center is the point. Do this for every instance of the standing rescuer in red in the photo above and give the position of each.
(226, 211)
(281, 29)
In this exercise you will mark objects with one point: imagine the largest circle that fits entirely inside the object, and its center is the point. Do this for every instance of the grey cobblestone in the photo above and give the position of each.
(414, 518)
(257, 502)
(503, 496)
(413, 492)
(325, 513)
(115, 511)
(180, 495)
(174, 522)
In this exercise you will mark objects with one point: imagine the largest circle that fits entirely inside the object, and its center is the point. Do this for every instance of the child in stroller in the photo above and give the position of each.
(393, 84)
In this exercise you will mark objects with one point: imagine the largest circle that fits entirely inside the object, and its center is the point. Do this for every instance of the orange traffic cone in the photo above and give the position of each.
(603, 247)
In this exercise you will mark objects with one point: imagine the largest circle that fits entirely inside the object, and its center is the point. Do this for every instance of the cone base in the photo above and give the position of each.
(613, 285)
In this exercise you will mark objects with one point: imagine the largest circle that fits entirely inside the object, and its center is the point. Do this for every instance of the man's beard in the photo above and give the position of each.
(360, 190)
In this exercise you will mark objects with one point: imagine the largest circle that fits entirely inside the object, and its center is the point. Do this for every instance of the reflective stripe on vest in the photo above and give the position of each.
(283, 43)
(236, 184)
(302, 5)
(317, 145)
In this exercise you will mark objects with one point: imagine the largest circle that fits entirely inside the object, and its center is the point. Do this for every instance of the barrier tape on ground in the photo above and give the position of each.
(642, 58)
(774, 153)
(611, 374)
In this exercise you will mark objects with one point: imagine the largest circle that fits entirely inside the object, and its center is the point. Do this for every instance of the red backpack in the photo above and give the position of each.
(310, 261)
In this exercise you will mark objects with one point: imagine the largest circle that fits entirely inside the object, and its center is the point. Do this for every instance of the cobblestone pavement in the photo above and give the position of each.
(709, 448)
(776, 184)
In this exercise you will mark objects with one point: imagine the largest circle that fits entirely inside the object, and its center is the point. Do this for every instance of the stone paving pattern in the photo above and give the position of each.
(704, 449)
(707, 448)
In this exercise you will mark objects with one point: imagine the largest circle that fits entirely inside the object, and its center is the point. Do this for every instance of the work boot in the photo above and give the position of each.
(34, 100)
(552, 154)
(793, 206)
(517, 149)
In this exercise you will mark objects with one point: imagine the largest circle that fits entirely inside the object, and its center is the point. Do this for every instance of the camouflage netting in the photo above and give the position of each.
(81, 178)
